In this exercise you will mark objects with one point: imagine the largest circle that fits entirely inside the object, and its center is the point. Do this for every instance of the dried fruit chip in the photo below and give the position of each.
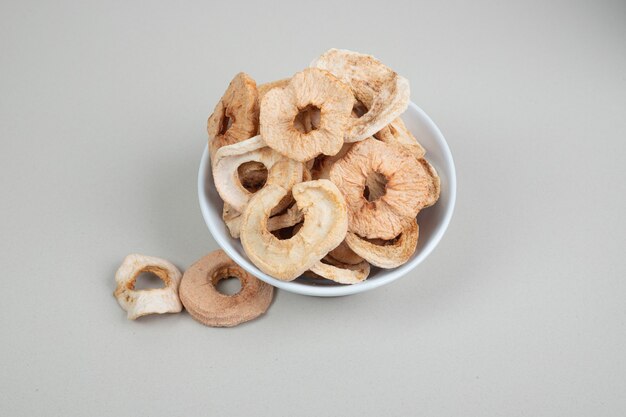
(232, 219)
(264, 88)
(322, 164)
(236, 116)
(344, 254)
(397, 133)
(341, 273)
(207, 305)
(379, 89)
(435, 187)
(281, 170)
(408, 187)
(139, 303)
(288, 218)
(325, 226)
(253, 178)
(386, 254)
(292, 216)
(309, 94)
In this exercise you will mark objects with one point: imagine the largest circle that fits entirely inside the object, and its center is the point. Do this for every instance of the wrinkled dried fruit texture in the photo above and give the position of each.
(292, 216)
(228, 160)
(264, 88)
(288, 200)
(344, 254)
(322, 164)
(408, 187)
(236, 116)
(325, 225)
(379, 89)
(287, 218)
(306, 175)
(139, 303)
(206, 304)
(308, 116)
(386, 254)
(435, 186)
(341, 273)
(232, 219)
(396, 133)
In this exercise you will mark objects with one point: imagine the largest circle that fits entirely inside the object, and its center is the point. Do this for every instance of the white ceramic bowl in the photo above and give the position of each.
(433, 221)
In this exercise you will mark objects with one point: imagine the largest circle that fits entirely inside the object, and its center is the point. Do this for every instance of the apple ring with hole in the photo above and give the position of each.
(139, 303)
(199, 294)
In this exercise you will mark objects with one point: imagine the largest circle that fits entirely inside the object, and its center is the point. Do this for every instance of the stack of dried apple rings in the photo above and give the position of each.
(318, 173)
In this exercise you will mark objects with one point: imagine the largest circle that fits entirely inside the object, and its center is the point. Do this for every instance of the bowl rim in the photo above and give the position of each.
(340, 290)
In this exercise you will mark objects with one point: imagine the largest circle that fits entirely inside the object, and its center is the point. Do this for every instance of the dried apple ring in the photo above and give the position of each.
(292, 216)
(264, 88)
(236, 115)
(206, 304)
(397, 133)
(377, 87)
(345, 255)
(323, 163)
(139, 303)
(325, 225)
(341, 273)
(281, 170)
(288, 218)
(232, 219)
(435, 188)
(386, 254)
(408, 188)
(309, 94)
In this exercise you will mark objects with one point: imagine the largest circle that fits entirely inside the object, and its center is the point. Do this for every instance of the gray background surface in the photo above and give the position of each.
(521, 310)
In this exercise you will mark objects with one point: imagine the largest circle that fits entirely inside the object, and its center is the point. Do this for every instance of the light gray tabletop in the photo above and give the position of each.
(521, 310)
